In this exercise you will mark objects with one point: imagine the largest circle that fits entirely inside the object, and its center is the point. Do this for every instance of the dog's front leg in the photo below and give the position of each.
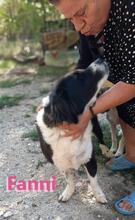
(113, 128)
(121, 147)
(113, 118)
(91, 169)
(70, 188)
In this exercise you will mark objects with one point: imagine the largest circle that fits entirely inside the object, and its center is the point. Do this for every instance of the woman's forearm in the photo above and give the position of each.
(118, 94)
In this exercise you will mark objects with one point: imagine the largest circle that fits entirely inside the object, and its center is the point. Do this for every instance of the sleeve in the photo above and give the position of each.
(127, 45)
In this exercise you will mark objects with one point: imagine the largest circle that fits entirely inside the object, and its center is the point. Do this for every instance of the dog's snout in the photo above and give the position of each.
(99, 61)
(106, 67)
(99, 65)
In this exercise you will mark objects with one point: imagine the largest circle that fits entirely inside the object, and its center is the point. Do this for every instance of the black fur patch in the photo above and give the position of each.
(46, 149)
(70, 96)
(92, 165)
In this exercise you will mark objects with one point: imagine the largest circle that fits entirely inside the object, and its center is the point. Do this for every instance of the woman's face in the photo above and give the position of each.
(88, 16)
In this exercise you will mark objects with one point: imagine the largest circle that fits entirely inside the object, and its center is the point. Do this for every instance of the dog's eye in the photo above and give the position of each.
(61, 93)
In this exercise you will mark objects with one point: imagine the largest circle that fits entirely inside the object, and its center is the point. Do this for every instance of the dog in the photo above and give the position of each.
(117, 149)
(69, 98)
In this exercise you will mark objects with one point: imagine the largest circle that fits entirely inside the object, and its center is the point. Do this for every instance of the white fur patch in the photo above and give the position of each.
(66, 153)
(45, 101)
(102, 67)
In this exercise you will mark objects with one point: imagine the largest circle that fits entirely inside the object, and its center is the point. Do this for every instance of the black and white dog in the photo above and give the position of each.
(70, 97)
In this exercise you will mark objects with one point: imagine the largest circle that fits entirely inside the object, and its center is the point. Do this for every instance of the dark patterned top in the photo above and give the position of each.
(119, 45)
(119, 35)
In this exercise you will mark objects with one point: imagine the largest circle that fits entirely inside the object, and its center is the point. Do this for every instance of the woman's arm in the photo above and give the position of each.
(118, 94)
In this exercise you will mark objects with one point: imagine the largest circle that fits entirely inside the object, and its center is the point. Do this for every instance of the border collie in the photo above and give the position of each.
(72, 95)
(117, 148)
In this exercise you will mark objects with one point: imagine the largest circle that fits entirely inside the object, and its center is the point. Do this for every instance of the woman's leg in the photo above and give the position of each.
(129, 135)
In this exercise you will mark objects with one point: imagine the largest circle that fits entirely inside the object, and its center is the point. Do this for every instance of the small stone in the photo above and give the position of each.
(34, 205)
(99, 216)
(18, 202)
(1, 213)
(16, 164)
(58, 218)
(26, 206)
(32, 174)
(8, 214)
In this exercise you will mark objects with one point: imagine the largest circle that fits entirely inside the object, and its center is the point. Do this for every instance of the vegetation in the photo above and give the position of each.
(51, 71)
(5, 64)
(44, 91)
(11, 83)
(8, 101)
(107, 139)
(24, 19)
(27, 115)
(33, 135)
(34, 107)
(39, 164)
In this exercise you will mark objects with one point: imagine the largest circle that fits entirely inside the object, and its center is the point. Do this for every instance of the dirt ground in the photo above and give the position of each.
(22, 157)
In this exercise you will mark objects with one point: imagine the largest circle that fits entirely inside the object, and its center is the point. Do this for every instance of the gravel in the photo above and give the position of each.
(20, 156)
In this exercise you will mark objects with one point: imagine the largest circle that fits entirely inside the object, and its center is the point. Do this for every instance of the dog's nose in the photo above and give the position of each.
(101, 62)
(99, 66)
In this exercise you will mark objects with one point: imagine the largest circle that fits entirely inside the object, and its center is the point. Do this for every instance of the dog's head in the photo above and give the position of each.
(73, 92)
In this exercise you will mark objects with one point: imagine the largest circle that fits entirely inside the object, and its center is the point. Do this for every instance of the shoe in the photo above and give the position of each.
(119, 163)
(131, 200)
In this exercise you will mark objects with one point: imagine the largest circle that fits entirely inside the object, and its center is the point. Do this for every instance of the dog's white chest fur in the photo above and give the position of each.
(67, 154)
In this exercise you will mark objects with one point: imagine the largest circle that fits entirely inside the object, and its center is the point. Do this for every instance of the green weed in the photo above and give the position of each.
(8, 101)
(34, 108)
(33, 135)
(5, 64)
(52, 71)
(11, 83)
(44, 91)
(39, 164)
(27, 115)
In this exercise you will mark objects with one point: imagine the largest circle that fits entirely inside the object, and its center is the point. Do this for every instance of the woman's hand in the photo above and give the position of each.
(77, 130)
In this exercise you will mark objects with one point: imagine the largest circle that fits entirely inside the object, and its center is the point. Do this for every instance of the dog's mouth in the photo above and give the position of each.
(100, 65)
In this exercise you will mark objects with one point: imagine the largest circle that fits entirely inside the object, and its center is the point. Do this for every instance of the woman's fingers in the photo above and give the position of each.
(67, 126)
(69, 133)
(74, 132)
(77, 135)
(64, 126)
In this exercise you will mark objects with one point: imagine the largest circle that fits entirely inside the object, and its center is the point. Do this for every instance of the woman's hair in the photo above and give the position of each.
(54, 2)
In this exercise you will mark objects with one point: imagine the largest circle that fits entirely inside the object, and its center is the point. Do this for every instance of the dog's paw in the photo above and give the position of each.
(105, 151)
(117, 154)
(65, 196)
(100, 197)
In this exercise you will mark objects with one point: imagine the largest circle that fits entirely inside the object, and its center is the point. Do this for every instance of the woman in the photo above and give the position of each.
(116, 19)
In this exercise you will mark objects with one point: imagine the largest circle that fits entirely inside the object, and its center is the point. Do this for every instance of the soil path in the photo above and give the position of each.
(22, 158)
